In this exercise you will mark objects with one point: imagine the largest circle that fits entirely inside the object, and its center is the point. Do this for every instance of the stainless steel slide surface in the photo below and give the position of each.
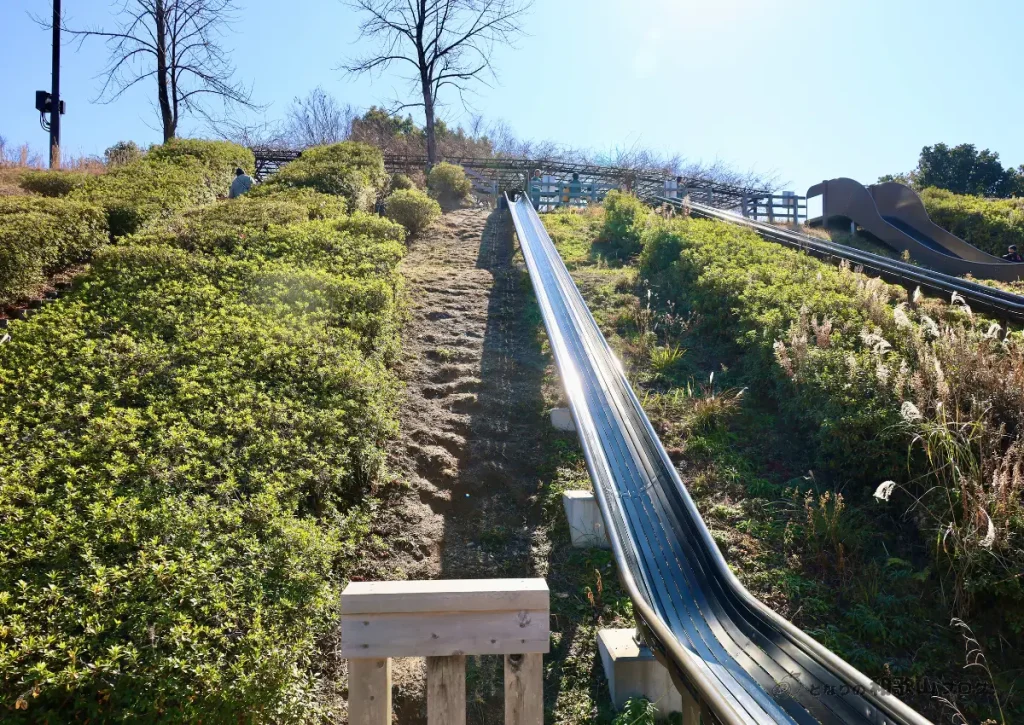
(896, 215)
(743, 661)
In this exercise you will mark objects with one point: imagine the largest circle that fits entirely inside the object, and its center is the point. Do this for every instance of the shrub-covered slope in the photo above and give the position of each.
(989, 224)
(192, 435)
(788, 391)
(39, 236)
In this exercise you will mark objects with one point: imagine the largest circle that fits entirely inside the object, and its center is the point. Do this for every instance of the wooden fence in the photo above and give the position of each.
(444, 621)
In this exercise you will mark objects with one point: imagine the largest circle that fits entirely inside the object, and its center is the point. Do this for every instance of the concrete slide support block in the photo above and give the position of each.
(585, 522)
(632, 671)
(561, 419)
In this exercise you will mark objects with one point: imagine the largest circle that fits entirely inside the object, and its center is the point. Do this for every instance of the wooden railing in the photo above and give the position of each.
(444, 621)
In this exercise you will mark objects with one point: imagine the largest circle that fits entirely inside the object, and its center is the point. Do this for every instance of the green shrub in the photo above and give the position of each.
(413, 209)
(53, 183)
(39, 236)
(121, 153)
(180, 174)
(448, 182)
(137, 193)
(191, 443)
(624, 222)
(352, 170)
(856, 376)
(401, 182)
(226, 225)
(989, 224)
(218, 158)
(661, 244)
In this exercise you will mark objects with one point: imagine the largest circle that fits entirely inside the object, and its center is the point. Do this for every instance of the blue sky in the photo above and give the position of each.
(809, 89)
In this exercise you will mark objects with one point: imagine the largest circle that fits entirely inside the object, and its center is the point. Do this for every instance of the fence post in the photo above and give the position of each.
(524, 685)
(446, 690)
(369, 691)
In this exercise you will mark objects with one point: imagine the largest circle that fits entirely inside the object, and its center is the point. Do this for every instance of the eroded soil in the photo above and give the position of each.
(468, 460)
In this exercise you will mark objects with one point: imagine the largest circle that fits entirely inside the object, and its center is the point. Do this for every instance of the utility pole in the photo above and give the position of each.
(55, 105)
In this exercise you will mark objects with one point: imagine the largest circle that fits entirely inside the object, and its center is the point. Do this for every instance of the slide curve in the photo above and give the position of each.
(895, 214)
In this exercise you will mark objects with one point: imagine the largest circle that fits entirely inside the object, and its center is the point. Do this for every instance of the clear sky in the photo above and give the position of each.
(809, 89)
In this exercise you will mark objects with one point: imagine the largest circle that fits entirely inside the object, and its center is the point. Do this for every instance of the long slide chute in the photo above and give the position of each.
(742, 662)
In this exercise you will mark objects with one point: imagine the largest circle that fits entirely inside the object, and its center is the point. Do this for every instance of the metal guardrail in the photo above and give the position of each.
(515, 173)
(1004, 305)
(744, 663)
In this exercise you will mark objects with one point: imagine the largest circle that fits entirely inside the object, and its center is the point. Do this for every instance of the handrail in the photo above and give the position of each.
(1003, 304)
(745, 663)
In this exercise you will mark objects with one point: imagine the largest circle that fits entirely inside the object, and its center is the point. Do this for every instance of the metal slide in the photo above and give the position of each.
(1000, 303)
(895, 214)
(742, 662)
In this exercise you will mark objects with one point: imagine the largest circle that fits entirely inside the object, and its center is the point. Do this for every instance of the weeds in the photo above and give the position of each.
(975, 659)
(665, 359)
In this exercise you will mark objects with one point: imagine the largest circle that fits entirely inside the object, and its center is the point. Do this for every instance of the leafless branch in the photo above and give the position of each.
(177, 42)
(449, 43)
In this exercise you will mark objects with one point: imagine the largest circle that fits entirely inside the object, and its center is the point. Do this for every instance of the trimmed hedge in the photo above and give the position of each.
(53, 183)
(39, 236)
(219, 158)
(349, 169)
(989, 224)
(181, 174)
(189, 440)
(448, 182)
(413, 209)
(227, 226)
(192, 436)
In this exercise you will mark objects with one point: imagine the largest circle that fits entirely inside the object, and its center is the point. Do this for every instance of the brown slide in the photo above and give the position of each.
(896, 215)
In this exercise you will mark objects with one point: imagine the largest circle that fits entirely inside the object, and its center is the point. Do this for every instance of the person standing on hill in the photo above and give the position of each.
(1012, 255)
(241, 184)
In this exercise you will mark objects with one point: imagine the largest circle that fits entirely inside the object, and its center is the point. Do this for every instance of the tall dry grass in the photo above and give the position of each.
(958, 382)
(16, 159)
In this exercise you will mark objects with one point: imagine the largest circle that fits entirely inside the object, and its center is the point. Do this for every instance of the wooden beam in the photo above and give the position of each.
(524, 689)
(369, 691)
(432, 634)
(441, 618)
(446, 690)
(444, 595)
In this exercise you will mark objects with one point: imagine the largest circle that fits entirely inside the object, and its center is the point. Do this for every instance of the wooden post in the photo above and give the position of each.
(524, 689)
(369, 691)
(446, 690)
(771, 209)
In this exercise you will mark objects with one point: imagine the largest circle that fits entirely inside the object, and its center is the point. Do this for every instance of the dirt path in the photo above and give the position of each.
(470, 446)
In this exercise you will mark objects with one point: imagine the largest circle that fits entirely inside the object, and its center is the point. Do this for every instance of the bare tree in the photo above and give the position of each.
(176, 43)
(318, 119)
(448, 42)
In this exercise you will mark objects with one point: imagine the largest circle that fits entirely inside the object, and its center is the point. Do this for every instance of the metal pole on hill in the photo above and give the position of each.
(55, 91)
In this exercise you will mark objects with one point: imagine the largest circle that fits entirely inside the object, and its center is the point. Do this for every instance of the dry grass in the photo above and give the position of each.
(14, 159)
(960, 382)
